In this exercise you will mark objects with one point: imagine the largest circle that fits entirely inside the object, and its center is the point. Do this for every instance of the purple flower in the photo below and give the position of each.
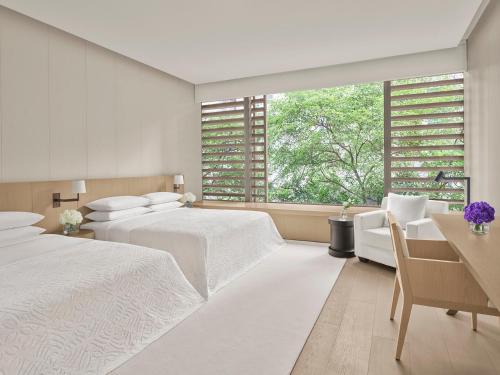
(479, 213)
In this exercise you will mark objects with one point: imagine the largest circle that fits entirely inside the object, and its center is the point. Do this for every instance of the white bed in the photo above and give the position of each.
(76, 306)
(212, 247)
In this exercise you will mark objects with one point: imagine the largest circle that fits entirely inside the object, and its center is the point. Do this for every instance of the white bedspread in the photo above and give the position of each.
(212, 247)
(75, 306)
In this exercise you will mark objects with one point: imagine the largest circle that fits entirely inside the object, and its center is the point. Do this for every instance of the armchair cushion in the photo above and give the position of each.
(436, 207)
(369, 220)
(378, 237)
(406, 208)
(423, 229)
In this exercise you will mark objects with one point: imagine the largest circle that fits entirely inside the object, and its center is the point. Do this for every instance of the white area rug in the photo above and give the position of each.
(257, 324)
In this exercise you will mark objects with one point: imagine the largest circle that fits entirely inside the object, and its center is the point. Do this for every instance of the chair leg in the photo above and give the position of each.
(405, 319)
(474, 321)
(395, 297)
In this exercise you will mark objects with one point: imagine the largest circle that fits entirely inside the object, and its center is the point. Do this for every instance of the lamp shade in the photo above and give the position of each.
(179, 179)
(78, 186)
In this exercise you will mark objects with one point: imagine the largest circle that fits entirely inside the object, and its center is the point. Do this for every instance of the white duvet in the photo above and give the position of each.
(75, 306)
(212, 247)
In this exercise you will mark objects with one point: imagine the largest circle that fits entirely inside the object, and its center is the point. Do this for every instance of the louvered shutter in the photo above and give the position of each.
(234, 149)
(424, 134)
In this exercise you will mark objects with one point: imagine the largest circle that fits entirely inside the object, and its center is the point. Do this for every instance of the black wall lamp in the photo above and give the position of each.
(442, 179)
(77, 187)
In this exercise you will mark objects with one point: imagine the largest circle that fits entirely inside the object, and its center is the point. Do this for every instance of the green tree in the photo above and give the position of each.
(326, 146)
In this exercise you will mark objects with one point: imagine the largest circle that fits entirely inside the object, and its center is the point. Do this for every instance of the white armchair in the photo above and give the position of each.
(372, 237)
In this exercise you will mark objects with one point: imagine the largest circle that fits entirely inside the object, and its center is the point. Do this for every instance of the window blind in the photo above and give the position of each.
(424, 134)
(234, 162)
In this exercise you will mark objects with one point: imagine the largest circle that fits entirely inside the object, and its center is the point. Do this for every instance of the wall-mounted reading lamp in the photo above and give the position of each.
(178, 181)
(77, 187)
(442, 178)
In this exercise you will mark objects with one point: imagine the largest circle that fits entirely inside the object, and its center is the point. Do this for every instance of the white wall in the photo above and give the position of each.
(483, 107)
(407, 66)
(70, 109)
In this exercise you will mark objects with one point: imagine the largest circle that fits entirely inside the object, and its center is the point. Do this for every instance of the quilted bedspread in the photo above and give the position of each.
(212, 247)
(74, 306)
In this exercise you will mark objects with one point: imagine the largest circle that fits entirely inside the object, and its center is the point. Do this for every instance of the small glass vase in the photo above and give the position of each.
(343, 214)
(188, 204)
(479, 228)
(70, 228)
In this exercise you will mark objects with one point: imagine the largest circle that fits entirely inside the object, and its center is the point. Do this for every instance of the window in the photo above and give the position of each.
(326, 146)
(353, 143)
(234, 149)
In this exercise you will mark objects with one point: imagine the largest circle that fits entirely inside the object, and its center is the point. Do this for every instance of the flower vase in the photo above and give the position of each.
(70, 228)
(188, 204)
(343, 214)
(479, 228)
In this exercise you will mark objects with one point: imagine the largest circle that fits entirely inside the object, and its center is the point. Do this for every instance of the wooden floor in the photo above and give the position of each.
(354, 335)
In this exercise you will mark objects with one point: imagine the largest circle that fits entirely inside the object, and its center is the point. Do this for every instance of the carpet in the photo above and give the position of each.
(257, 324)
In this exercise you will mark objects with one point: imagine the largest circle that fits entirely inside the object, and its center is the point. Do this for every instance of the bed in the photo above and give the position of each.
(212, 247)
(78, 306)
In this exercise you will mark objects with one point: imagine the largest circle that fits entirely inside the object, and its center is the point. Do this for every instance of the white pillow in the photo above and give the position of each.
(117, 203)
(115, 215)
(162, 197)
(20, 233)
(14, 219)
(165, 206)
(406, 208)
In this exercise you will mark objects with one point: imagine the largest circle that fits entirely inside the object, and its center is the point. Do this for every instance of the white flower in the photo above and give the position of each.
(72, 217)
(188, 197)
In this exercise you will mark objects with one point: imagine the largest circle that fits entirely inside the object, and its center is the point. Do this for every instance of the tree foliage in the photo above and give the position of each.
(326, 146)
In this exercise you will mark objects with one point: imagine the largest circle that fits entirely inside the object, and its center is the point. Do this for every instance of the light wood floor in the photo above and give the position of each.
(354, 335)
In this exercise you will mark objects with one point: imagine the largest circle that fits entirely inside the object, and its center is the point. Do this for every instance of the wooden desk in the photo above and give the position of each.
(480, 253)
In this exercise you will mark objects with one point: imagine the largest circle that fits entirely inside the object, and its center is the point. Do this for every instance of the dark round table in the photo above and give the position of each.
(341, 237)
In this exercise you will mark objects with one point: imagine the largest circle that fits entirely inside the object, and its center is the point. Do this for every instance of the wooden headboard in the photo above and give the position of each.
(37, 196)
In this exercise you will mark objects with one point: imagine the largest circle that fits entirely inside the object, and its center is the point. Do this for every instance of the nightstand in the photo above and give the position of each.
(341, 237)
(83, 233)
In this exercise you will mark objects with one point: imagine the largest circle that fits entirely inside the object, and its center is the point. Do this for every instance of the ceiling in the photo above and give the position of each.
(214, 40)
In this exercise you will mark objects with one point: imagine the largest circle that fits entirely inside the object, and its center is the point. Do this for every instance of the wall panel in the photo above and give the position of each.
(24, 86)
(67, 87)
(483, 109)
(129, 108)
(70, 109)
(152, 129)
(101, 122)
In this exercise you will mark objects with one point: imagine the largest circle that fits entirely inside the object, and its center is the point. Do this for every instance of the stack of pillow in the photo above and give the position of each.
(120, 207)
(163, 200)
(15, 226)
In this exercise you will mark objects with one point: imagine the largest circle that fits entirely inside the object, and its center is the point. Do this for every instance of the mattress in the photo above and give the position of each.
(212, 247)
(77, 306)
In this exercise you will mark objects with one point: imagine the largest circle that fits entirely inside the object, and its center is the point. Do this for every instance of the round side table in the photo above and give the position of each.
(341, 237)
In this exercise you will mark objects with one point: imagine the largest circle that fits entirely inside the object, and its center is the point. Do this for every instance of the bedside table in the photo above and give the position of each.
(83, 233)
(341, 237)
